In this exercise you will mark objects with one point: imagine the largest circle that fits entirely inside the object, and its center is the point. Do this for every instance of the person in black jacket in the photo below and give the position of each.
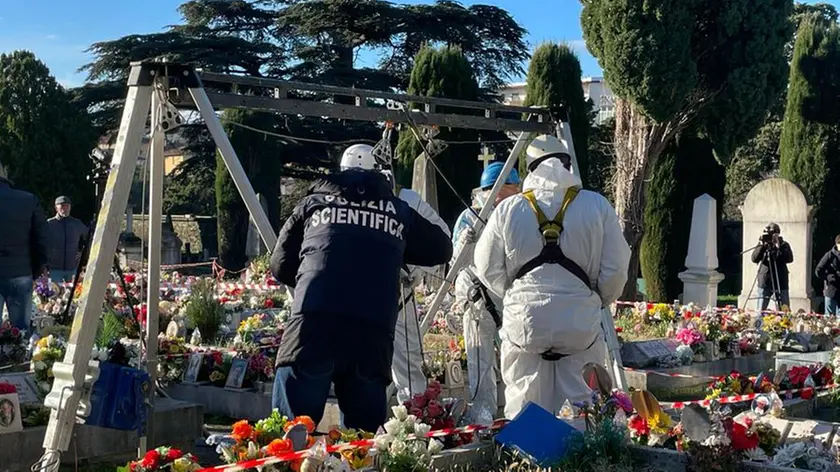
(772, 255)
(828, 270)
(342, 250)
(23, 250)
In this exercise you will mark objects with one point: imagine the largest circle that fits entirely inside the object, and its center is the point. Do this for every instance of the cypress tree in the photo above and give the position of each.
(685, 171)
(809, 150)
(260, 159)
(445, 73)
(554, 79)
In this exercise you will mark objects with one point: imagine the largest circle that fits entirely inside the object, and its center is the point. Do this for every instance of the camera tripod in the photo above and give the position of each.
(770, 261)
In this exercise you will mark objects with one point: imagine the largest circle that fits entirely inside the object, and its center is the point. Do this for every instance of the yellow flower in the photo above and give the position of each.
(659, 423)
(184, 465)
(37, 356)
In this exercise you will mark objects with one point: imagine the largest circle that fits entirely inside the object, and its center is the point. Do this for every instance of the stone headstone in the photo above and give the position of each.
(823, 342)
(25, 385)
(779, 201)
(170, 244)
(646, 353)
(701, 279)
(254, 246)
(424, 181)
(697, 425)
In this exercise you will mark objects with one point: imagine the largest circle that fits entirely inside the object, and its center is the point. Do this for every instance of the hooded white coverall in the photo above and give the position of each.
(407, 364)
(549, 308)
(479, 331)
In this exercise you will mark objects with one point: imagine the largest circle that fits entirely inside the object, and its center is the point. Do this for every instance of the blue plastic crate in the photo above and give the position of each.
(118, 399)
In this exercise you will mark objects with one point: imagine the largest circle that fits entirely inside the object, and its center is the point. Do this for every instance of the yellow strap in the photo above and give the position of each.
(557, 221)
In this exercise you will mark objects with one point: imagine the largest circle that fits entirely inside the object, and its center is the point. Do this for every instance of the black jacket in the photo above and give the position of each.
(23, 238)
(828, 270)
(66, 237)
(342, 250)
(781, 256)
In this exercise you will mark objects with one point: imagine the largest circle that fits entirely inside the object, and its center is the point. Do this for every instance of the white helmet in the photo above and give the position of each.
(545, 145)
(358, 156)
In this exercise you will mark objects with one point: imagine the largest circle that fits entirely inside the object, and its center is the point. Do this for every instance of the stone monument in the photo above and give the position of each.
(254, 246)
(424, 182)
(170, 245)
(130, 244)
(778, 201)
(701, 279)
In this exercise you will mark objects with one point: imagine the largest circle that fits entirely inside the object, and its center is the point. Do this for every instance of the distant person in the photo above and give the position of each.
(23, 250)
(66, 237)
(828, 270)
(773, 254)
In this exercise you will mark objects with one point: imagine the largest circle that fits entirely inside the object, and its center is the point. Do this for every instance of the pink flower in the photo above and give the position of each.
(434, 409)
(690, 336)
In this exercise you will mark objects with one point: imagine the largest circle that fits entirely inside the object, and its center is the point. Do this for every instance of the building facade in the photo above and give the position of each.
(594, 88)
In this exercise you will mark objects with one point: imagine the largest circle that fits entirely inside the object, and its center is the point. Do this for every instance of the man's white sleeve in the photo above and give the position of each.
(489, 256)
(426, 211)
(615, 258)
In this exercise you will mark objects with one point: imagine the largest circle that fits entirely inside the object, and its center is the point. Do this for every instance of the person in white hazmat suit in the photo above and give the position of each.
(556, 254)
(407, 365)
(482, 310)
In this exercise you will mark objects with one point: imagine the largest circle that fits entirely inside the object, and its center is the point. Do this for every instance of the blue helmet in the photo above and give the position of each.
(491, 174)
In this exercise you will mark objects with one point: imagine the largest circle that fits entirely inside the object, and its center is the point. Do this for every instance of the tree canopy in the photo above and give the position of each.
(444, 72)
(45, 140)
(809, 148)
(554, 79)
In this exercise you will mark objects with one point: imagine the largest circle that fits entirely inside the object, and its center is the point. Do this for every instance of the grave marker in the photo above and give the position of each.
(486, 156)
(701, 279)
(25, 385)
(646, 353)
(778, 201)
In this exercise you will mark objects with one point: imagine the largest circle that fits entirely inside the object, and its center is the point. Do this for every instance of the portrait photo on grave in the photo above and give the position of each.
(7, 413)
(194, 368)
(236, 377)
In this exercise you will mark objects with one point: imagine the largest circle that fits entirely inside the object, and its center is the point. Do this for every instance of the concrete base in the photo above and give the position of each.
(176, 423)
(675, 388)
(794, 359)
(700, 286)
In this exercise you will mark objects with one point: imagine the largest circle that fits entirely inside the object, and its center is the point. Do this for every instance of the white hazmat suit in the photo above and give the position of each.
(479, 330)
(549, 308)
(407, 364)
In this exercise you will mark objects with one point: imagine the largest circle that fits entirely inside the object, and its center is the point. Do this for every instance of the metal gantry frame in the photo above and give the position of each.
(153, 89)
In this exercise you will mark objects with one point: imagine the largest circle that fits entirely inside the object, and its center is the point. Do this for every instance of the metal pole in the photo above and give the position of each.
(155, 222)
(64, 397)
(465, 256)
(240, 178)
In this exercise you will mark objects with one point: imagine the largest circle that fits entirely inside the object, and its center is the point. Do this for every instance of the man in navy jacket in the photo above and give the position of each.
(342, 250)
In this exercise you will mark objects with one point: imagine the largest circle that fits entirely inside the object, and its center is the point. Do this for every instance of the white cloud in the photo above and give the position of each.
(52, 37)
(577, 45)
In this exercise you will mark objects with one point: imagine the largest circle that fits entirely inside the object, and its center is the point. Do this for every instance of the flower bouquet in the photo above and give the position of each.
(260, 329)
(776, 326)
(173, 358)
(430, 409)
(264, 439)
(163, 459)
(403, 444)
(47, 351)
(12, 349)
(735, 383)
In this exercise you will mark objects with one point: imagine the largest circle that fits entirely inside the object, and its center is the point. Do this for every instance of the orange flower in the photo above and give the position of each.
(304, 420)
(242, 431)
(279, 447)
(335, 436)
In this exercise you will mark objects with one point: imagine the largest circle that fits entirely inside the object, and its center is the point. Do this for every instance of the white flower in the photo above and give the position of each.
(435, 447)
(44, 386)
(400, 412)
(40, 365)
(392, 427)
(756, 455)
(382, 442)
(398, 447)
(421, 429)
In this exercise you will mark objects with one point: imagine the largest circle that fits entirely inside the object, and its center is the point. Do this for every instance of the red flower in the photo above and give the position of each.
(15, 331)
(418, 401)
(742, 439)
(797, 375)
(7, 388)
(174, 454)
(807, 394)
(638, 425)
(416, 412)
(151, 460)
(130, 278)
(619, 329)
(434, 409)
(268, 303)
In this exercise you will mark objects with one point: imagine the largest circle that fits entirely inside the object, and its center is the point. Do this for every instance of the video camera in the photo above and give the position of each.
(771, 235)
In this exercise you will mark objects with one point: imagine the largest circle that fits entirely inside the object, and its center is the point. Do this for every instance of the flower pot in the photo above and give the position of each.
(711, 350)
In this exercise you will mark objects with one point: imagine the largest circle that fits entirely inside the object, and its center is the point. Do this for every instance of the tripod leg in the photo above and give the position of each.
(70, 373)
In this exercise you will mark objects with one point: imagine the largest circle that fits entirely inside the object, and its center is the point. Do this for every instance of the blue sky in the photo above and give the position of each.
(59, 31)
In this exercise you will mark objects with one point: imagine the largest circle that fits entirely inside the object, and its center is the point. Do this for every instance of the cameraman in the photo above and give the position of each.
(773, 255)
(828, 270)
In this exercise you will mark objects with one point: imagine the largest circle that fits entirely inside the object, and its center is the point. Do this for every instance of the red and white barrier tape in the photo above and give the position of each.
(223, 286)
(677, 376)
(742, 398)
(293, 456)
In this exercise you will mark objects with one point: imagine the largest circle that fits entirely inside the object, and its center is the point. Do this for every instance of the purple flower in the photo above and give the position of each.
(623, 400)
